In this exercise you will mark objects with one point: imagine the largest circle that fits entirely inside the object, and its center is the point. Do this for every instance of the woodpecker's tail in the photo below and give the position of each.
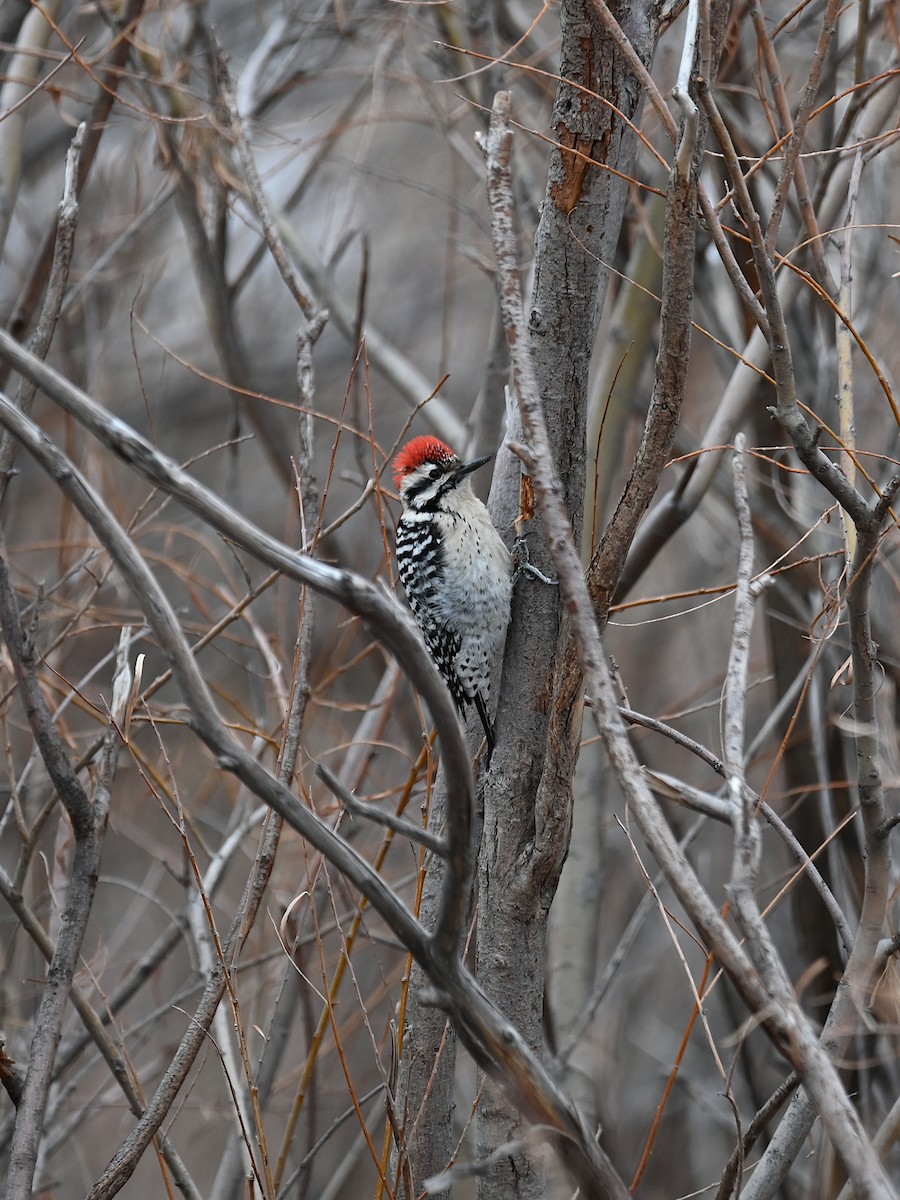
(486, 722)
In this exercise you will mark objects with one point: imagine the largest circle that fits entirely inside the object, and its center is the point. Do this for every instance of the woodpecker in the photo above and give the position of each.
(455, 569)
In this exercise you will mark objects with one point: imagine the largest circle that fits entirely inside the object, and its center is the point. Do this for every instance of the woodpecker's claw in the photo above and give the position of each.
(530, 569)
(523, 566)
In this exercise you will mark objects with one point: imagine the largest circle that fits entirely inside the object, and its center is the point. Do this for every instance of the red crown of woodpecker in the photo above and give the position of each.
(420, 450)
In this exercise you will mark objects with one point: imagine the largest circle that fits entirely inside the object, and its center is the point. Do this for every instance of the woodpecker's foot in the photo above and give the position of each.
(536, 573)
(523, 566)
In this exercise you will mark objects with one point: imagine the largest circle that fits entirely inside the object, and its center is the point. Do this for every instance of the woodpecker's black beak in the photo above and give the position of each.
(469, 467)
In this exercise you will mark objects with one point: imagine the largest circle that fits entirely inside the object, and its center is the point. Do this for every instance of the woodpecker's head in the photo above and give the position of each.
(426, 470)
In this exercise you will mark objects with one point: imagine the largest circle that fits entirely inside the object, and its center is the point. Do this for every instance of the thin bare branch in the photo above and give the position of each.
(97, 123)
(67, 222)
(307, 305)
(359, 808)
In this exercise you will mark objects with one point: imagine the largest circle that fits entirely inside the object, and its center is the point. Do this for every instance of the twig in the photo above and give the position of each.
(396, 367)
(844, 344)
(746, 1143)
(460, 1172)
(66, 224)
(304, 1162)
(219, 304)
(6, 112)
(636, 718)
(373, 813)
(798, 132)
(627, 940)
(98, 265)
(735, 693)
(97, 123)
(885, 1138)
(145, 967)
(232, 756)
(687, 142)
(793, 168)
(126, 1159)
(691, 797)
(316, 1035)
(736, 276)
(747, 841)
(305, 302)
(719, 809)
